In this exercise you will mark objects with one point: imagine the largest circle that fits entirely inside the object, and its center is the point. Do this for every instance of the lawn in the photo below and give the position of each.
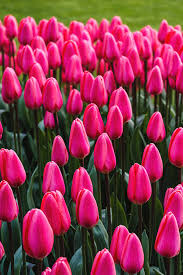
(135, 13)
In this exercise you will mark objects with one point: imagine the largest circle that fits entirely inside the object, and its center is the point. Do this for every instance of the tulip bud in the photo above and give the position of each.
(137, 192)
(52, 178)
(79, 146)
(25, 32)
(116, 21)
(132, 258)
(110, 48)
(147, 49)
(52, 97)
(155, 128)
(120, 98)
(152, 162)
(128, 43)
(74, 103)
(155, 82)
(88, 55)
(86, 203)
(37, 72)
(98, 94)
(110, 83)
(179, 84)
(46, 271)
(138, 38)
(114, 125)
(41, 58)
(73, 70)
(104, 156)
(28, 59)
(37, 243)
(117, 243)
(174, 64)
(159, 62)
(11, 88)
(135, 62)
(11, 25)
(32, 94)
(167, 242)
(8, 207)
(99, 49)
(81, 180)
(103, 264)
(103, 28)
(59, 151)
(49, 121)
(76, 28)
(1, 251)
(11, 168)
(54, 207)
(70, 48)
(51, 30)
(92, 121)
(86, 85)
(175, 148)
(163, 29)
(167, 194)
(60, 43)
(123, 71)
(42, 27)
(54, 59)
(38, 43)
(102, 67)
(1, 130)
(61, 266)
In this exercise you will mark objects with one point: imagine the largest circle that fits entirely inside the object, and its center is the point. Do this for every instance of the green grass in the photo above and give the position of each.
(134, 13)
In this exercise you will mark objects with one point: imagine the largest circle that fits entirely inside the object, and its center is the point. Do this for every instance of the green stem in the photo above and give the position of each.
(47, 144)
(82, 162)
(122, 145)
(153, 220)
(21, 225)
(11, 247)
(177, 108)
(116, 189)
(179, 175)
(167, 102)
(17, 128)
(177, 264)
(39, 267)
(57, 247)
(14, 126)
(38, 148)
(134, 94)
(145, 83)
(155, 102)
(62, 248)
(167, 263)
(99, 194)
(92, 242)
(139, 95)
(84, 232)
(140, 221)
(107, 189)
(170, 103)
(55, 74)
(60, 76)
(56, 123)
(3, 61)
(181, 105)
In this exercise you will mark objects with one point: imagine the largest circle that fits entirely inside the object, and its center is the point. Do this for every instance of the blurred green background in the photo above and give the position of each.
(134, 13)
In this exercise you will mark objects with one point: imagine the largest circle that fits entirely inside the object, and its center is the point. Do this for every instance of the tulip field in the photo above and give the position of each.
(91, 136)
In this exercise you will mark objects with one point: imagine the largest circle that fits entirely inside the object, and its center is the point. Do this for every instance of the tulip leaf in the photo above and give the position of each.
(118, 215)
(137, 145)
(91, 163)
(77, 239)
(30, 199)
(132, 224)
(145, 245)
(155, 271)
(17, 262)
(100, 236)
(76, 263)
(16, 237)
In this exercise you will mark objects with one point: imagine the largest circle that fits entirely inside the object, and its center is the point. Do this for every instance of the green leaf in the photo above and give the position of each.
(137, 145)
(119, 216)
(145, 245)
(77, 239)
(17, 261)
(133, 218)
(76, 263)
(100, 236)
(30, 199)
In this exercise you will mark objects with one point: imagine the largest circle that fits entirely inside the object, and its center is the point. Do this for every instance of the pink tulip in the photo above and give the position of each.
(32, 94)
(167, 242)
(159, 62)
(109, 81)
(163, 29)
(86, 85)
(54, 207)
(123, 71)
(73, 70)
(1, 130)
(52, 178)
(28, 59)
(37, 243)
(76, 28)
(104, 156)
(8, 207)
(69, 48)
(98, 93)
(54, 59)
(92, 121)
(175, 148)
(11, 25)
(79, 146)
(11, 168)
(103, 264)
(42, 59)
(74, 103)
(155, 128)
(179, 84)
(51, 30)
(103, 28)
(152, 162)
(114, 125)
(61, 266)
(2, 252)
(59, 151)
(37, 72)
(25, 31)
(110, 48)
(135, 62)
(46, 271)
(38, 43)
(49, 121)
(155, 81)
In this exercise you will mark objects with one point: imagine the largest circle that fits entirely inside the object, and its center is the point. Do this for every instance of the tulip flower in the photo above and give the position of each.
(81, 180)
(92, 121)
(76, 28)
(11, 88)
(103, 264)
(98, 93)
(79, 146)
(70, 48)
(114, 125)
(120, 98)
(60, 44)
(86, 203)
(174, 204)
(61, 266)
(52, 178)
(46, 271)
(88, 55)
(86, 85)
(52, 97)
(135, 62)
(159, 62)
(37, 72)
(1, 251)
(179, 85)
(175, 148)
(11, 168)
(117, 243)
(74, 103)
(32, 94)
(163, 29)
(41, 58)
(137, 192)
(38, 43)
(155, 128)
(167, 242)
(37, 243)
(110, 48)
(25, 31)
(54, 207)
(59, 151)
(147, 49)
(51, 30)
(152, 162)
(167, 194)
(11, 25)
(73, 70)
(1, 130)
(132, 258)
(54, 59)
(8, 207)
(28, 59)
(109, 81)
(104, 156)
(123, 71)
(49, 121)
(155, 82)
